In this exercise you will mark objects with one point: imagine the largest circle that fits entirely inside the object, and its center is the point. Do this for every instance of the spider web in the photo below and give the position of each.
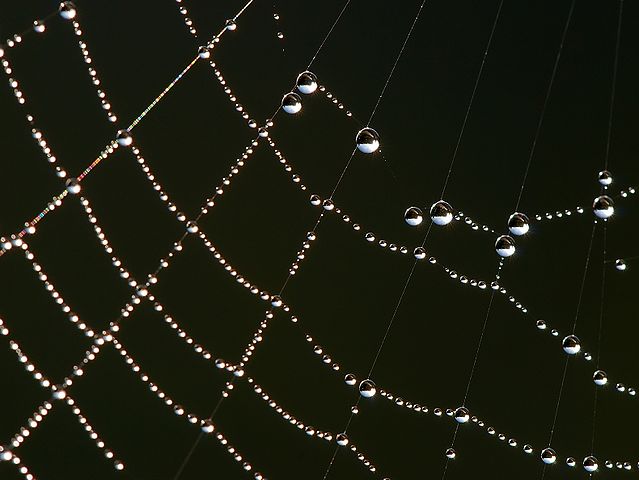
(140, 294)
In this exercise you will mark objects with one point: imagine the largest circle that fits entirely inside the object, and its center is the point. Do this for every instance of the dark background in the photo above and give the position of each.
(346, 289)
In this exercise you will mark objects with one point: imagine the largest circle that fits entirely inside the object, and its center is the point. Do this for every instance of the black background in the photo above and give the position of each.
(346, 289)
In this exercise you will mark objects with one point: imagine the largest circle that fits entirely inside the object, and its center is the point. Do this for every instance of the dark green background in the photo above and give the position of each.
(346, 289)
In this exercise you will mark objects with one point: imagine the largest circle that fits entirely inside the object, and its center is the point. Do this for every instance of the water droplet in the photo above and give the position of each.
(207, 426)
(350, 379)
(204, 53)
(306, 82)
(73, 186)
(420, 253)
(413, 216)
(528, 449)
(59, 393)
(571, 345)
(367, 140)
(462, 415)
(541, 325)
(367, 388)
(124, 138)
(38, 26)
(441, 213)
(141, 291)
(600, 377)
(67, 10)
(192, 227)
(450, 453)
(230, 24)
(620, 264)
(571, 462)
(548, 456)
(590, 464)
(6, 455)
(604, 177)
(276, 301)
(505, 246)
(341, 439)
(291, 103)
(603, 206)
(518, 224)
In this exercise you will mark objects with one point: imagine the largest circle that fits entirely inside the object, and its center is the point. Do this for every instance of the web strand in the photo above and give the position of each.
(472, 99)
(399, 55)
(614, 84)
(545, 104)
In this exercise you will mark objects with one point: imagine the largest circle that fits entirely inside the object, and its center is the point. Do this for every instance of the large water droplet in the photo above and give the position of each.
(67, 10)
(306, 82)
(548, 456)
(192, 226)
(604, 177)
(462, 415)
(367, 388)
(441, 213)
(518, 224)
(367, 140)
(350, 379)
(505, 246)
(73, 186)
(590, 464)
(207, 426)
(413, 216)
(603, 206)
(571, 345)
(291, 103)
(124, 138)
(6, 455)
(600, 377)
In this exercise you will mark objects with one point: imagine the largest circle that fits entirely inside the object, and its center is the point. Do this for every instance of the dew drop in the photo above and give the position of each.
(367, 388)
(571, 345)
(367, 140)
(603, 207)
(306, 82)
(291, 103)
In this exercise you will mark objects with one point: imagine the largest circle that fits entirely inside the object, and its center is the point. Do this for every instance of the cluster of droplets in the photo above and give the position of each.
(59, 393)
(227, 90)
(36, 133)
(441, 213)
(95, 80)
(335, 101)
(55, 295)
(276, 19)
(185, 16)
(329, 206)
(73, 185)
(367, 141)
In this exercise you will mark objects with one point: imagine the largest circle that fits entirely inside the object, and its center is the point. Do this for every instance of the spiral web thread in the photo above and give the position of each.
(141, 289)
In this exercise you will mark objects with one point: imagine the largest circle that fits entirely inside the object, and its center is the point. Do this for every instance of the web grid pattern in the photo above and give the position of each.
(142, 289)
